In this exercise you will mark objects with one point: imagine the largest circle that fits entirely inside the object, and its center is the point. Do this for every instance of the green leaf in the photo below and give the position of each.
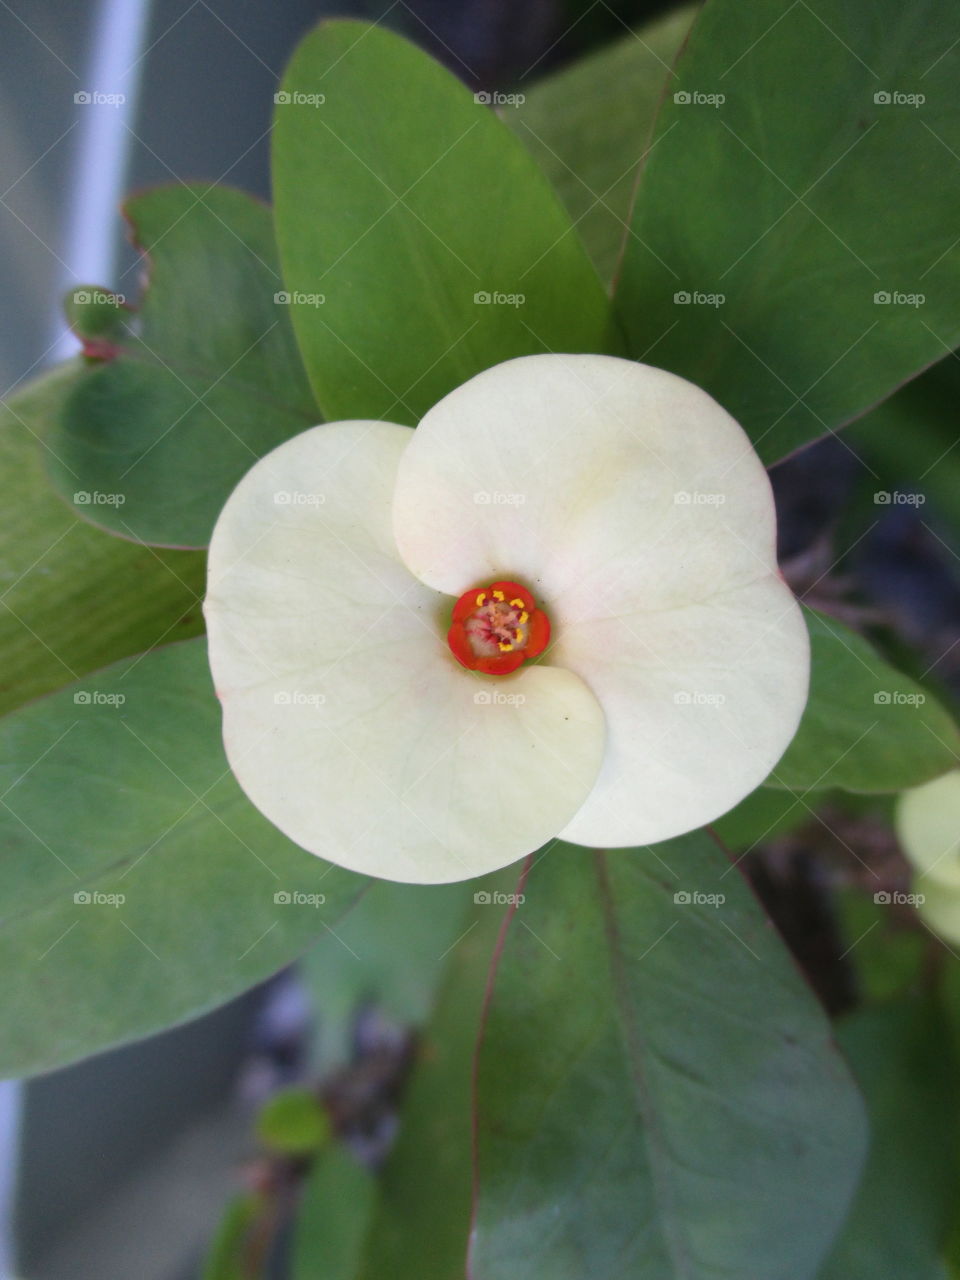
(866, 727)
(206, 380)
(900, 1217)
(138, 885)
(228, 1258)
(294, 1123)
(588, 126)
(335, 1210)
(422, 1221)
(390, 950)
(403, 203)
(657, 1091)
(71, 599)
(770, 199)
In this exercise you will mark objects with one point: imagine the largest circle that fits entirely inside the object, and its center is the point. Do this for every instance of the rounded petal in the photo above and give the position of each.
(928, 827)
(595, 481)
(347, 720)
(700, 704)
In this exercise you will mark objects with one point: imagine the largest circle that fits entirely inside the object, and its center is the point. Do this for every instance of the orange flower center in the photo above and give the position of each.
(494, 629)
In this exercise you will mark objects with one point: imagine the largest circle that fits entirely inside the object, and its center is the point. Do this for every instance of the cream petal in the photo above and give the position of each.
(700, 705)
(594, 481)
(347, 720)
(928, 827)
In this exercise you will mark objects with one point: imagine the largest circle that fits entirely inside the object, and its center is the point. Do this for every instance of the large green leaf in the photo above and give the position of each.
(200, 385)
(120, 787)
(866, 727)
(657, 1092)
(435, 242)
(589, 124)
(900, 1218)
(71, 599)
(780, 199)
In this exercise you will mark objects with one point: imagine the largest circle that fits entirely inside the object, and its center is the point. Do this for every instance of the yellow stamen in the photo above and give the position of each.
(517, 603)
(498, 595)
(504, 646)
(481, 599)
(524, 617)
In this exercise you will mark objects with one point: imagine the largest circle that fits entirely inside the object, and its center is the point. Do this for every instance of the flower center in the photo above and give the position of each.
(494, 629)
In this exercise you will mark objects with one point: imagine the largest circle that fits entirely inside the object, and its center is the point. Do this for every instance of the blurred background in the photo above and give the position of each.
(120, 1167)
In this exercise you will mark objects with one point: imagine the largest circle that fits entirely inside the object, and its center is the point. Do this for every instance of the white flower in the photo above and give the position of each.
(928, 826)
(628, 525)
